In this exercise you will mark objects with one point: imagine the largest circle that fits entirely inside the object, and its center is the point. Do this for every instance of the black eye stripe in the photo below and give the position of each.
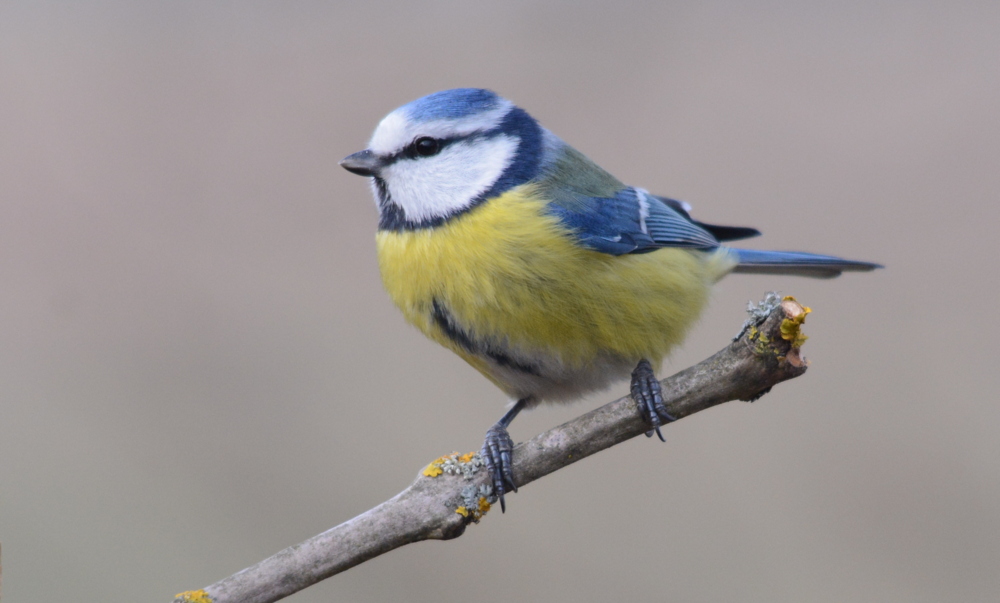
(425, 146)
(409, 152)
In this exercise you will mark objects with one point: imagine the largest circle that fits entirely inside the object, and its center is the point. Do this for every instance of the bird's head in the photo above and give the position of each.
(445, 153)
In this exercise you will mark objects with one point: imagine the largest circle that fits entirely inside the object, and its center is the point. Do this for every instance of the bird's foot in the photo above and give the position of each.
(496, 452)
(648, 394)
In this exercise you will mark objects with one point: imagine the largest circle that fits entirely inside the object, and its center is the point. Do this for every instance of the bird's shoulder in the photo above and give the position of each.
(607, 216)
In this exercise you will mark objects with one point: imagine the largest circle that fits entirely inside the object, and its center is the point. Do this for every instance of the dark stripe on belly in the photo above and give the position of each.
(443, 319)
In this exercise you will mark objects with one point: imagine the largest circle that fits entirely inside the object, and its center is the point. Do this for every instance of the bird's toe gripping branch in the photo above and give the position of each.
(497, 451)
(648, 394)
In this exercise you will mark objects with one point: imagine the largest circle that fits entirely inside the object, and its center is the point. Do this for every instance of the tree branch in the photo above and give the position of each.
(453, 491)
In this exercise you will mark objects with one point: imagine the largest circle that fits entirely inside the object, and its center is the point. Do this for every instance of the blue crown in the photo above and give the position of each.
(451, 104)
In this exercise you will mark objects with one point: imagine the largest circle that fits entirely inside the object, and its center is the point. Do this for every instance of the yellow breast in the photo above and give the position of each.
(510, 272)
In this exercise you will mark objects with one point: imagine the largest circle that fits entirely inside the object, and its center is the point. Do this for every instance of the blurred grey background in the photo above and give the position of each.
(198, 365)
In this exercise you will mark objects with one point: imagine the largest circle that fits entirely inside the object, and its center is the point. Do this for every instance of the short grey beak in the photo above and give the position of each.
(362, 163)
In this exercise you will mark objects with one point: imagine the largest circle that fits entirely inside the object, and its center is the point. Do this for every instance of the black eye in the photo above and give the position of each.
(425, 146)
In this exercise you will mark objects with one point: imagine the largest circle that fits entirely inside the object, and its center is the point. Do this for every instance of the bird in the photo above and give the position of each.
(540, 269)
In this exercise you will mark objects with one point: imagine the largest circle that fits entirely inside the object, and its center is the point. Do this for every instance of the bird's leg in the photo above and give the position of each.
(496, 452)
(647, 394)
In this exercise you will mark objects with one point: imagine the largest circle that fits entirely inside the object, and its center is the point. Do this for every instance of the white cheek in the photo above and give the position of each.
(433, 187)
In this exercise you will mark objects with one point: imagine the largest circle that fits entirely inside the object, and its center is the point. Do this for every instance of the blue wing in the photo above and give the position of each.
(633, 221)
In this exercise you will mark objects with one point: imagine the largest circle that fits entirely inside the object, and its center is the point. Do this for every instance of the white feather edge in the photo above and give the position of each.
(642, 196)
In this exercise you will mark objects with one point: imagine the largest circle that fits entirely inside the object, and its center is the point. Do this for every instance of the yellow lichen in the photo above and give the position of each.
(484, 506)
(453, 463)
(193, 596)
(791, 328)
(758, 338)
(434, 469)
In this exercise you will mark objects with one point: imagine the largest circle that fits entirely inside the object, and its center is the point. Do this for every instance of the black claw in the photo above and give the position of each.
(496, 453)
(647, 393)
(508, 473)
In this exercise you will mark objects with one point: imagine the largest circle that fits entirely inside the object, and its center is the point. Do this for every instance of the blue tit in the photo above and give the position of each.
(546, 273)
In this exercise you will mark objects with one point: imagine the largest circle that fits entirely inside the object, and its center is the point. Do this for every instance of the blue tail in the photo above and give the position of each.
(754, 261)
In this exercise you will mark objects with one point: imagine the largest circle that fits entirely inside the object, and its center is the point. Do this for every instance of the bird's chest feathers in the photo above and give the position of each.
(508, 275)
(490, 267)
